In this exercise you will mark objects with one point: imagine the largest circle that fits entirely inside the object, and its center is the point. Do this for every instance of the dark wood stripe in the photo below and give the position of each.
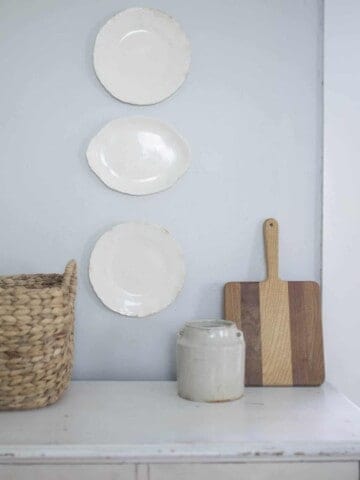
(232, 302)
(306, 333)
(250, 325)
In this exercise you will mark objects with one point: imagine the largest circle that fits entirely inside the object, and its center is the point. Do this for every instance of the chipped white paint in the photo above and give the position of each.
(278, 471)
(69, 472)
(146, 422)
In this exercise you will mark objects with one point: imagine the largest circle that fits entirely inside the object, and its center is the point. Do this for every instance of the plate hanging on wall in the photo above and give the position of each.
(137, 269)
(141, 56)
(138, 155)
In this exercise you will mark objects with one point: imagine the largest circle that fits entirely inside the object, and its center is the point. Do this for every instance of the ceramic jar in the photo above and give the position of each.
(210, 359)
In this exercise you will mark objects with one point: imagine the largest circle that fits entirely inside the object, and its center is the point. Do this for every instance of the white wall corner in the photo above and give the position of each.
(341, 195)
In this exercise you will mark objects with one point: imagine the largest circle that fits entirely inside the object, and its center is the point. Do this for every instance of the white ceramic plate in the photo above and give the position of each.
(137, 269)
(138, 155)
(141, 56)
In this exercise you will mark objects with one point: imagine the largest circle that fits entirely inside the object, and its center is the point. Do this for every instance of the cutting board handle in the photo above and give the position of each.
(271, 238)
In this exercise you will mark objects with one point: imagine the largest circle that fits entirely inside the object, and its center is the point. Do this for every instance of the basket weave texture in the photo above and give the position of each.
(36, 338)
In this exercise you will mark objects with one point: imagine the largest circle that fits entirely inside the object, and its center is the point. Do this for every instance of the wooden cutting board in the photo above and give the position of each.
(281, 322)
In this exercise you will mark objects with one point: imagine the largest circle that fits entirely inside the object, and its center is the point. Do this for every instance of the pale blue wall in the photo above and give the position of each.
(251, 112)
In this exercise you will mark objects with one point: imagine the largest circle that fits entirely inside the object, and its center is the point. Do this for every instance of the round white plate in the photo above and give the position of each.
(137, 269)
(138, 155)
(141, 56)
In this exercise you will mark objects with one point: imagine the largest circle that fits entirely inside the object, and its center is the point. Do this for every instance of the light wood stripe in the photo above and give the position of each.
(275, 333)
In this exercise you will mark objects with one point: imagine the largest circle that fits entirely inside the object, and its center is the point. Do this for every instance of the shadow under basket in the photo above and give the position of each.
(36, 338)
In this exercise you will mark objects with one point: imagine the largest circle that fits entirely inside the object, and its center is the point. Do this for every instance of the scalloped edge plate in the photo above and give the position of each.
(137, 269)
(141, 56)
(138, 155)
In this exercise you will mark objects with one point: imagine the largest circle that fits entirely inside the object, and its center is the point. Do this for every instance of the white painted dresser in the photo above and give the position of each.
(144, 431)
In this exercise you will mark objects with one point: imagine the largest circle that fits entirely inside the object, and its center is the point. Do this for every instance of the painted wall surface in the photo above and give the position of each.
(251, 110)
(341, 280)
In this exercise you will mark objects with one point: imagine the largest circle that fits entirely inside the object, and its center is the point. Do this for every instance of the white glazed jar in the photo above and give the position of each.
(210, 358)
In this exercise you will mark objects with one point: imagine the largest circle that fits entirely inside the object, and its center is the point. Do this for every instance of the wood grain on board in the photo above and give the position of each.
(306, 333)
(247, 319)
(281, 322)
(275, 332)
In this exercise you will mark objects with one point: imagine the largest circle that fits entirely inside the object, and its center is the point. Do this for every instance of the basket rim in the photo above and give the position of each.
(63, 279)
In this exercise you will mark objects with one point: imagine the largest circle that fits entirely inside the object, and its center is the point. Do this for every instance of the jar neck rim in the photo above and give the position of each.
(210, 324)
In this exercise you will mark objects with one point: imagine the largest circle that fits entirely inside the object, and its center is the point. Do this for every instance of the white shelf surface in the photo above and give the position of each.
(139, 422)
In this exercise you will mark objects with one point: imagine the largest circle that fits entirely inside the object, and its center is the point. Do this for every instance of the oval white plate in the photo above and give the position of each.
(141, 56)
(137, 269)
(138, 155)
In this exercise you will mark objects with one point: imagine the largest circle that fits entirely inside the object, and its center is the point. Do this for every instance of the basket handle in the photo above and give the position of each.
(69, 277)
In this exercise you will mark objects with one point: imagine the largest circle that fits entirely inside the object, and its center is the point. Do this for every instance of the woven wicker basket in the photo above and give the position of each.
(36, 338)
